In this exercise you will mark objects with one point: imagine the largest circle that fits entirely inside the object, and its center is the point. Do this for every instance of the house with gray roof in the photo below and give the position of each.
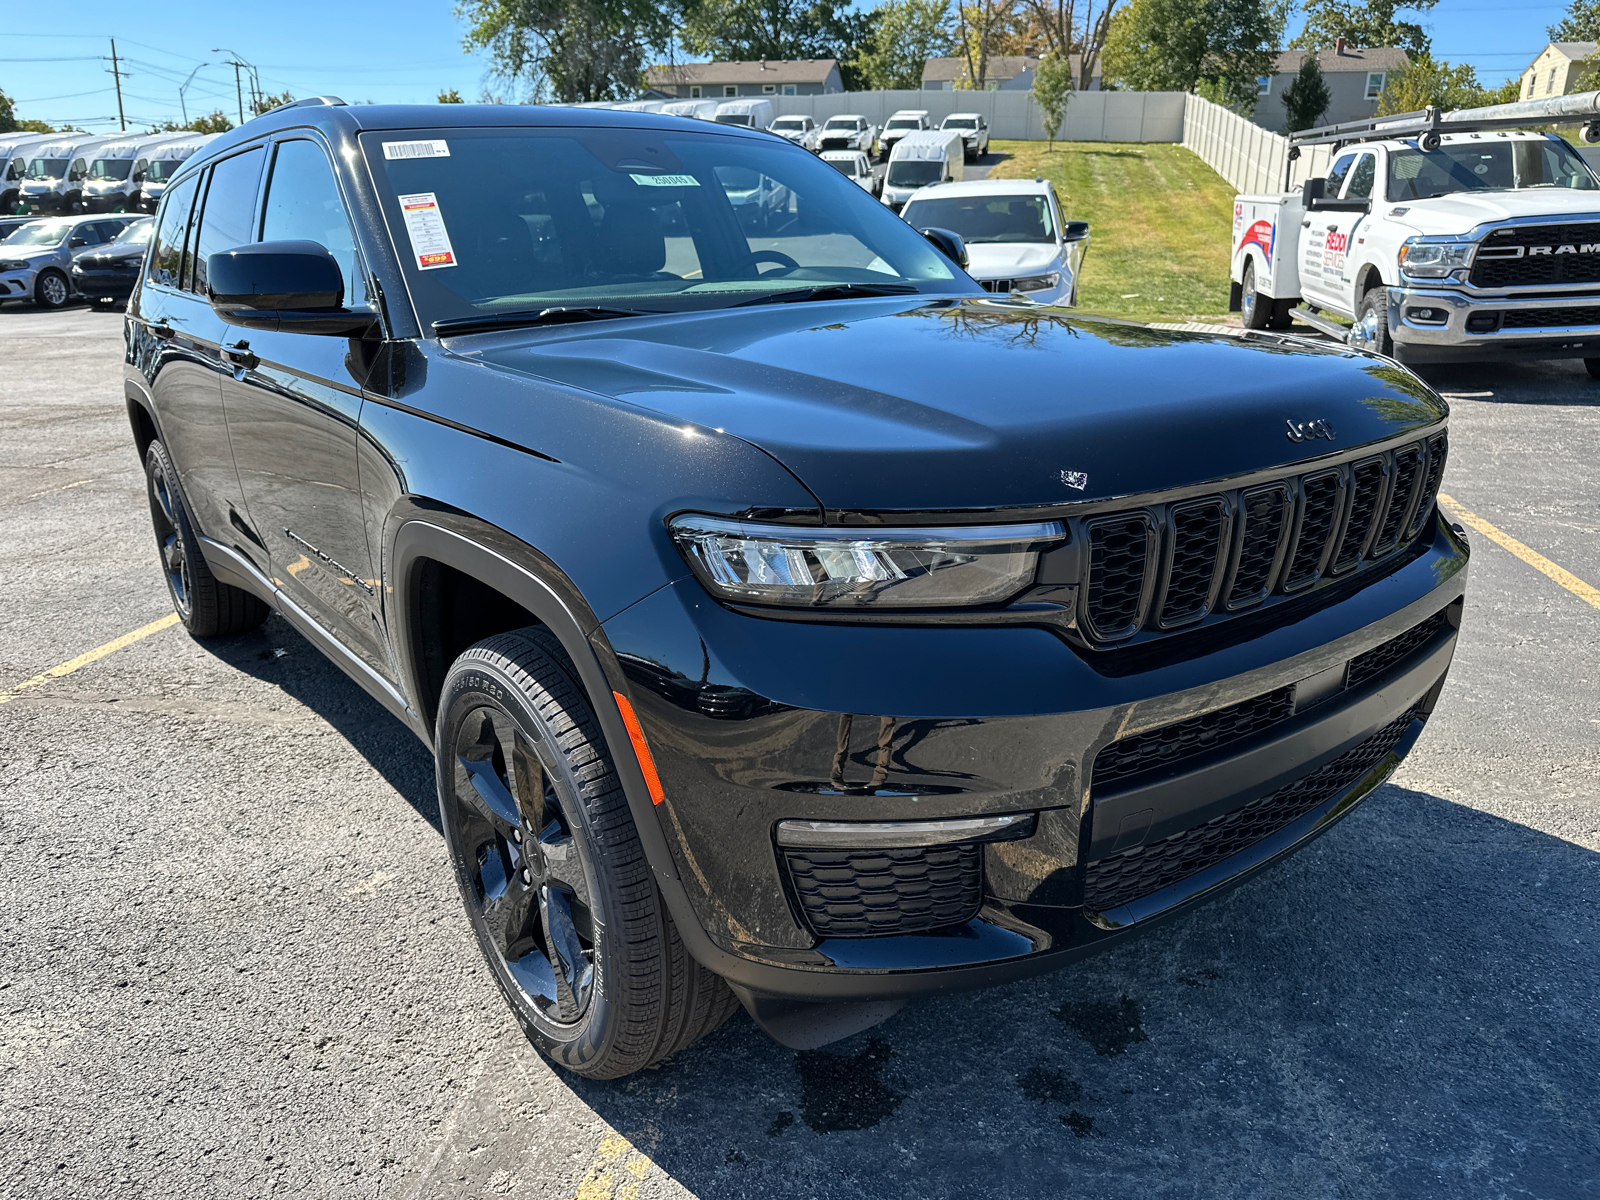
(1355, 77)
(768, 77)
(1560, 68)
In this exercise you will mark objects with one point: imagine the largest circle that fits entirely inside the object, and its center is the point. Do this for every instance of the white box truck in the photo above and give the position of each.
(918, 159)
(1440, 237)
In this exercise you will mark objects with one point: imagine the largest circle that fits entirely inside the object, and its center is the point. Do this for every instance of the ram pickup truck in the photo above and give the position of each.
(1471, 245)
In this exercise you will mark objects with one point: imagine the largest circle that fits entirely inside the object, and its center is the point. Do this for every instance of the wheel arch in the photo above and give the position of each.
(141, 417)
(1367, 278)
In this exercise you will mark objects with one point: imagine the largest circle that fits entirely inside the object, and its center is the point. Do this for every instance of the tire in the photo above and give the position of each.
(206, 607)
(1255, 307)
(51, 290)
(575, 933)
(1592, 365)
(1371, 330)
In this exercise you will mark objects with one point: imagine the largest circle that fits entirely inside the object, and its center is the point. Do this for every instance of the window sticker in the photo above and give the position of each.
(430, 240)
(439, 149)
(665, 180)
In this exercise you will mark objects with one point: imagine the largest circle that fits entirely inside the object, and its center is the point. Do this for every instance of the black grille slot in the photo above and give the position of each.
(1404, 477)
(1437, 450)
(1367, 480)
(1379, 660)
(995, 285)
(1158, 749)
(1321, 496)
(1118, 553)
(878, 893)
(1535, 269)
(1194, 554)
(1263, 514)
(1122, 878)
(1550, 318)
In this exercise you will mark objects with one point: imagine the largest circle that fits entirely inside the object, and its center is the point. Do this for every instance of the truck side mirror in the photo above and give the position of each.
(948, 244)
(1313, 190)
(1074, 231)
(295, 287)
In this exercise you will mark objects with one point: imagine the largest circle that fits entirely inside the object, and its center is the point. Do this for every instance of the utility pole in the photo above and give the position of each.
(238, 63)
(238, 87)
(116, 73)
(184, 87)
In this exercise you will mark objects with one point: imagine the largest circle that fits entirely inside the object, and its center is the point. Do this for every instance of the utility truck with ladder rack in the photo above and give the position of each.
(1441, 237)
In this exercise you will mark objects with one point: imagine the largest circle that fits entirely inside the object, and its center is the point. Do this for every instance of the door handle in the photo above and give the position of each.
(1305, 224)
(162, 332)
(238, 355)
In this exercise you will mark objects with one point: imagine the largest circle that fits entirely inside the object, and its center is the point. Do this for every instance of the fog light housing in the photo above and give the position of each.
(1483, 322)
(1428, 316)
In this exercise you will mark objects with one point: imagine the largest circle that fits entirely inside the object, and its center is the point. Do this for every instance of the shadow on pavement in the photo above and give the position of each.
(1564, 382)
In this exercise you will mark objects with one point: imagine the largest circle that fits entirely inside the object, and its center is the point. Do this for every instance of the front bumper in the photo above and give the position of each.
(755, 722)
(1466, 328)
(105, 284)
(17, 285)
(105, 202)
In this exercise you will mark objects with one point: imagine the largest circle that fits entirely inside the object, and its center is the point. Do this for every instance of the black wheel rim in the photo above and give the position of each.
(164, 507)
(524, 874)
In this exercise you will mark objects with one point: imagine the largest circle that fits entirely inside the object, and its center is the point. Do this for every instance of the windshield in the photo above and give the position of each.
(163, 169)
(980, 219)
(733, 118)
(41, 233)
(110, 168)
(794, 124)
(841, 123)
(636, 219)
(137, 234)
(848, 166)
(903, 123)
(1493, 166)
(960, 123)
(47, 168)
(914, 172)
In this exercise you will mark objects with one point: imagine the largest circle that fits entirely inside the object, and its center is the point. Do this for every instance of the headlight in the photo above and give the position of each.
(1036, 283)
(13, 266)
(801, 567)
(1434, 260)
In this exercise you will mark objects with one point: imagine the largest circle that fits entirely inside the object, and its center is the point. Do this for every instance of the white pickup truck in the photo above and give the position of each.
(1468, 241)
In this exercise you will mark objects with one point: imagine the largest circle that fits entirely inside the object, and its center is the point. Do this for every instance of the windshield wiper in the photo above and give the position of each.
(832, 291)
(543, 316)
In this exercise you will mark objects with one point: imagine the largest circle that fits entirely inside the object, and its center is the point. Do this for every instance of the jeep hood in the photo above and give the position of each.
(1461, 212)
(914, 404)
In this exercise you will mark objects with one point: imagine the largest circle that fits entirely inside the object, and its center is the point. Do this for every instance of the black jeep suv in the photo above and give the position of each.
(793, 622)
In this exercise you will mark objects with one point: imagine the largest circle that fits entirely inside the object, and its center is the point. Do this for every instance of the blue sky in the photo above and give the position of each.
(51, 62)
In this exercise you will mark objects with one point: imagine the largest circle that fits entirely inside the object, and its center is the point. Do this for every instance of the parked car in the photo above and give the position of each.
(802, 131)
(9, 225)
(648, 106)
(108, 273)
(162, 164)
(974, 131)
(1014, 232)
(751, 114)
(117, 171)
(906, 121)
(14, 151)
(701, 110)
(57, 171)
(920, 159)
(848, 131)
(809, 629)
(856, 165)
(36, 260)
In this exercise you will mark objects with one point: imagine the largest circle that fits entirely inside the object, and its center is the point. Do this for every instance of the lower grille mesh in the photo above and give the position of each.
(1182, 740)
(876, 893)
(1377, 661)
(1123, 878)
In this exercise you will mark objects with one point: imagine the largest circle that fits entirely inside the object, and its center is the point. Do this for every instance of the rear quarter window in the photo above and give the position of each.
(166, 256)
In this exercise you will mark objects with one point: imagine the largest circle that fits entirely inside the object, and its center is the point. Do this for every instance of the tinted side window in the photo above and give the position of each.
(303, 204)
(229, 209)
(1336, 176)
(166, 256)
(1362, 178)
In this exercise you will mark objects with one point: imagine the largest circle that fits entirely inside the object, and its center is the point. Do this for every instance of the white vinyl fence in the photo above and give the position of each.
(1249, 157)
(1090, 117)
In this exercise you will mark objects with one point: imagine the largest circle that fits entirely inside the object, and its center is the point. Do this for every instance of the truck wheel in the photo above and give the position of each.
(206, 607)
(1371, 330)
(1255, 307)
(51, 290)
(556, 885)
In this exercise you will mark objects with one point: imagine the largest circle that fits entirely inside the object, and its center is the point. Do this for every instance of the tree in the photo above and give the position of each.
(1581, 24)
(1363, 23)
(1064, 30)
(1306, 98)
(214, 123)
(266, 103)
(906, 35)
(981, 27)
(569, 49)
(1217, 48)
(746, 30)
(451, 97)
(1052, 91)
(1428, 81)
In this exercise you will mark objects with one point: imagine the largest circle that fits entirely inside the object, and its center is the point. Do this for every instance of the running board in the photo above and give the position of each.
(1322, 324)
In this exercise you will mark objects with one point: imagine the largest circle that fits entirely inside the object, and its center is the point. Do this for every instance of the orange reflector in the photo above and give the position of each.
(641, 751)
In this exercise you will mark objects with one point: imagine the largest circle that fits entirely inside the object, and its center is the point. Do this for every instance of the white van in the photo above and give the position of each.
(14, 151)
(116, 170)
(752, 114)
(700, 110)
(639, 106)
(163, 164)
(901, 124)
(56, 172)
(919, 159)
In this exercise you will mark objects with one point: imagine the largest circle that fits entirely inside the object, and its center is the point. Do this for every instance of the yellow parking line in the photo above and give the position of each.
(1533, 558)
(95, 655)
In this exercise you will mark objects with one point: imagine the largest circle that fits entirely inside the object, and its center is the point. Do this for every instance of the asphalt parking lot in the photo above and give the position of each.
(232, 961)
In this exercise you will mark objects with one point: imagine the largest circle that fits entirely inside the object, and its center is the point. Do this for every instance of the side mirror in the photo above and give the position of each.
(1074, 231)
(78, 240)
(948, 244)
(295, 287)
(1313, 190)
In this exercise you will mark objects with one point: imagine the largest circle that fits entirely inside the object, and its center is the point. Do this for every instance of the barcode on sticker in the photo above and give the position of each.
(439, 149)
(664, 180)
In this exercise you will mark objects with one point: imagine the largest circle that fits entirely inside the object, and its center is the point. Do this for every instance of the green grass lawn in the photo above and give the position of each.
(1160, 222)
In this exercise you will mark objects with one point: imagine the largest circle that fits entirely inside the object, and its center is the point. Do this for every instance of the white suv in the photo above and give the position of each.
(802, 131)
(1016, 238)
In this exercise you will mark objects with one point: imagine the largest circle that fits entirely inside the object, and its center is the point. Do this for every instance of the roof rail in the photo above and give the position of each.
(320, 101)
(1430, 124)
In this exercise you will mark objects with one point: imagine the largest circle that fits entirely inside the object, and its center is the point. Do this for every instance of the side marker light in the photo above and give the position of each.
(647, 764)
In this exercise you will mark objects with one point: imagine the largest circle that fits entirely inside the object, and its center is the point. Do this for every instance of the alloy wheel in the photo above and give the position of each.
(164, 509)
(529, 890)
(54, 290)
